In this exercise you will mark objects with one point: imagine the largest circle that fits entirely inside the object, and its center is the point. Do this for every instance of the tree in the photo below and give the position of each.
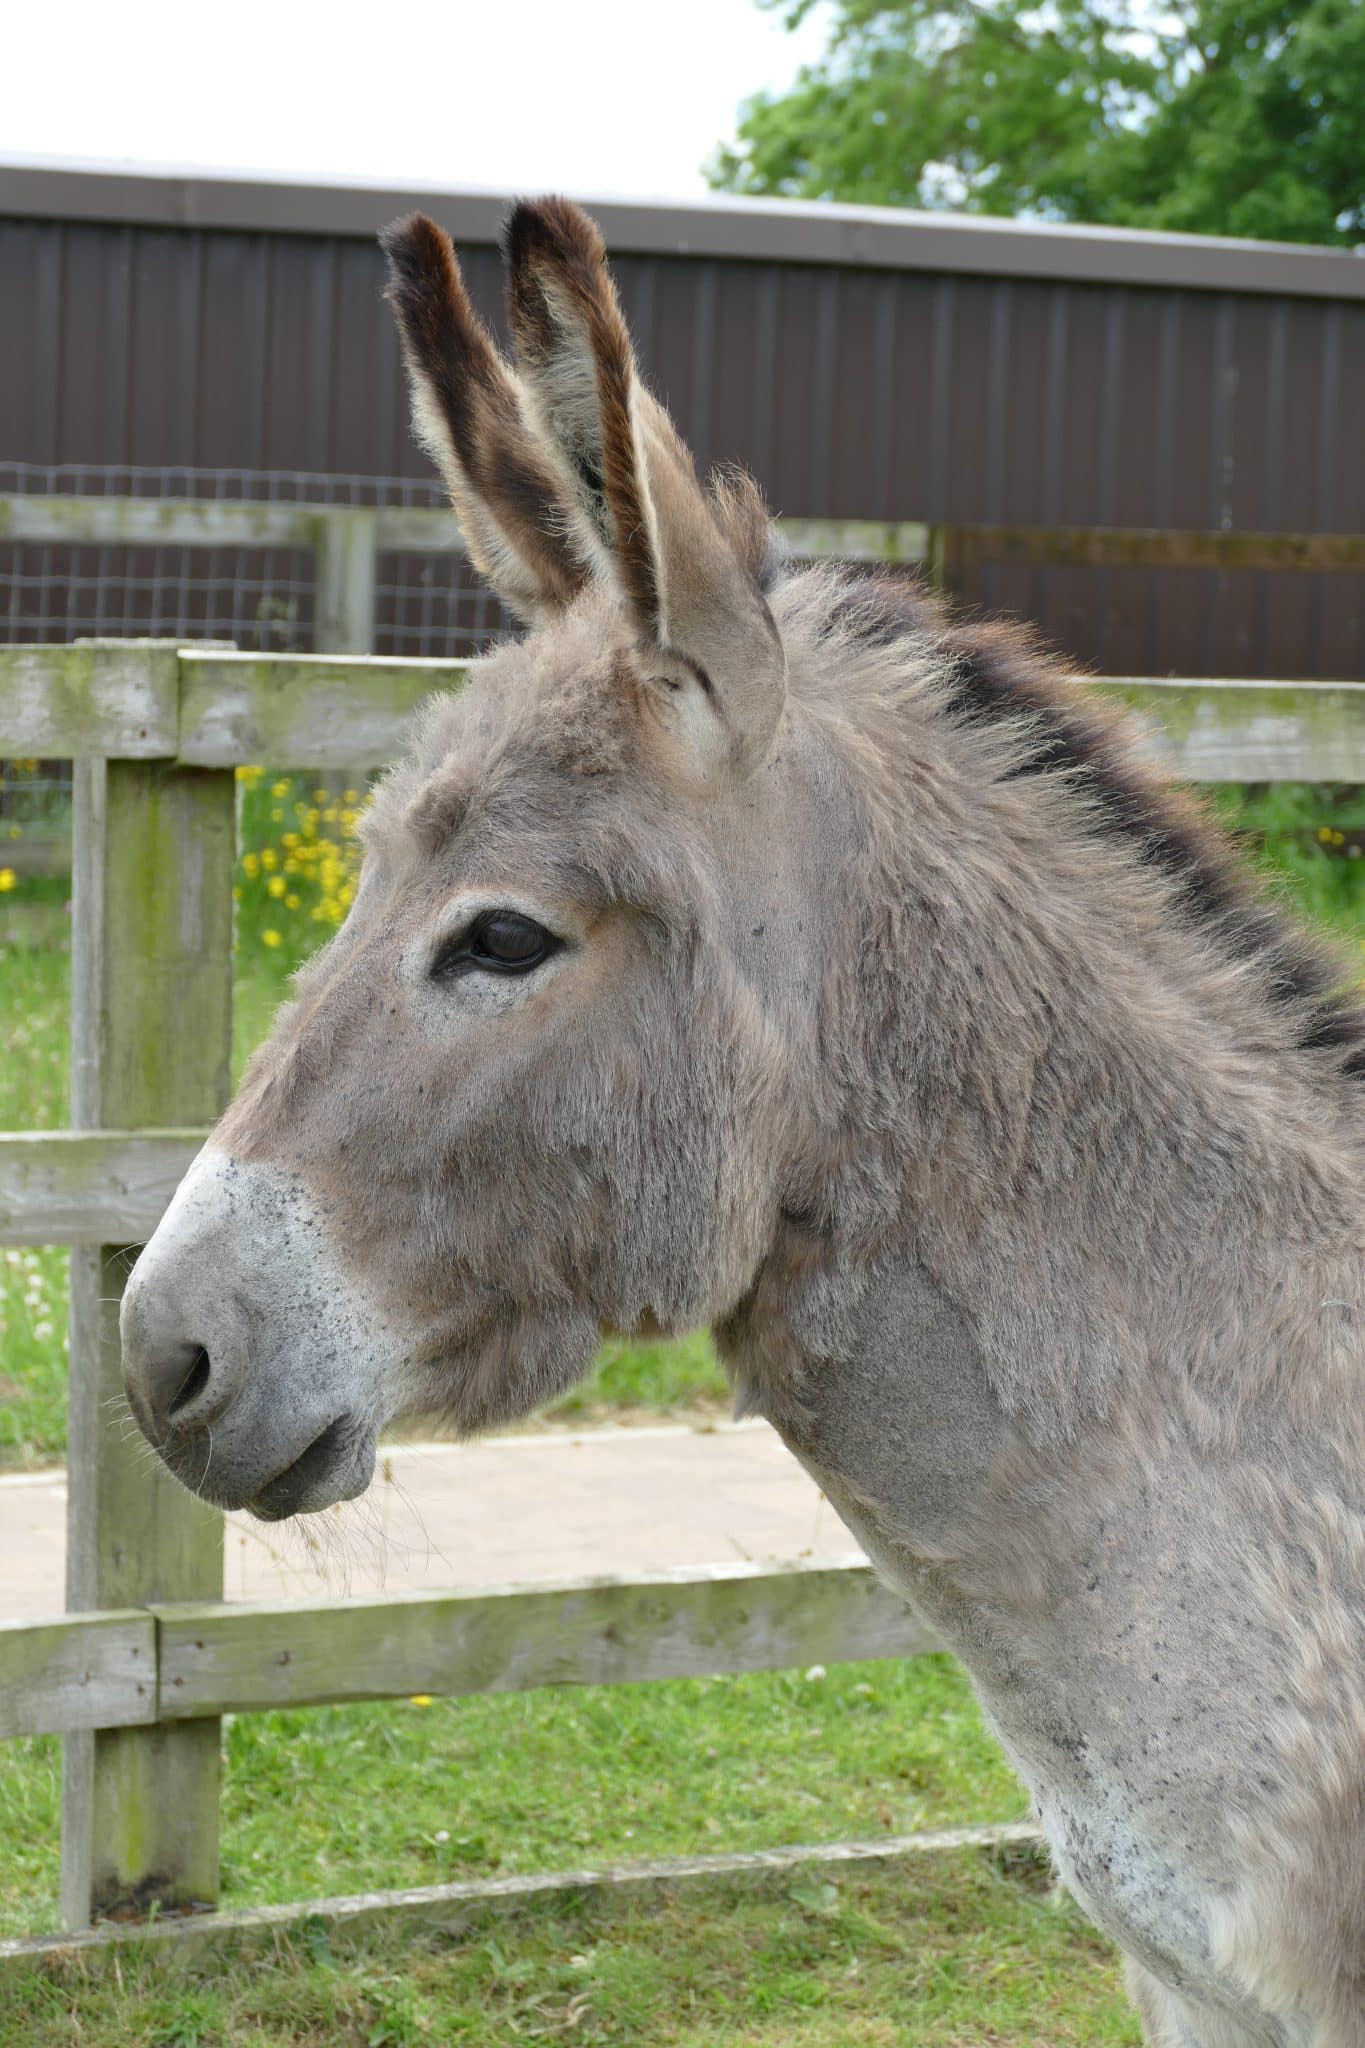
(1229, 117)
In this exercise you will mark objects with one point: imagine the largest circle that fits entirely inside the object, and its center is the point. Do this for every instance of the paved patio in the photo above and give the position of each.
(534, 1506)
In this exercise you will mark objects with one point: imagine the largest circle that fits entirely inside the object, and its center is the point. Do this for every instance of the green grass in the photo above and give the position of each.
(957, 1953)
(358, 1798)
(422, 1794)
(1309, 842)
(35, 1031)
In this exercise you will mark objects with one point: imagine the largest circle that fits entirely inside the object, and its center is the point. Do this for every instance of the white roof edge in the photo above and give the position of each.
(719, 225)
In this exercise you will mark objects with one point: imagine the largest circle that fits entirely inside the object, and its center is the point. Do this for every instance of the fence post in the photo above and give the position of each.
(936, 552)
(152, 861)
(346, 563)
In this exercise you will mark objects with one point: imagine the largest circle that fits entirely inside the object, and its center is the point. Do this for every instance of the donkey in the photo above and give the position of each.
(761, 946)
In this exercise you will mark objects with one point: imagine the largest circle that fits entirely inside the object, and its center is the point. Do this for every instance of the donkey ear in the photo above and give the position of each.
(469, 413)
(685, 566)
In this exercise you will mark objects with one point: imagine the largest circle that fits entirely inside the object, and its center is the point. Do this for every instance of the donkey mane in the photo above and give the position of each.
(998, 675)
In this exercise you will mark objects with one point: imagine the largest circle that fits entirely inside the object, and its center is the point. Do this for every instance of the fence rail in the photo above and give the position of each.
(144, 700)
(139, 1666)
(89, 1187)
(138, 1673)
(387, 529)
(345, 606)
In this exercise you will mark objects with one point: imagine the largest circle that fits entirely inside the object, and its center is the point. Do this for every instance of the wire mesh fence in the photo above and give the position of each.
(262, 598)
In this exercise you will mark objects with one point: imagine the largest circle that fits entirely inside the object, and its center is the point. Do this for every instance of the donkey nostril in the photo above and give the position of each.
(190, 1388)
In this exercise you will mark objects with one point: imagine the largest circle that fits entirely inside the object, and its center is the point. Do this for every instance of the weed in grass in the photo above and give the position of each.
(299, 861)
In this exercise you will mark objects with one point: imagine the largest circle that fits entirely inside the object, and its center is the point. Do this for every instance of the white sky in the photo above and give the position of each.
(604, 97)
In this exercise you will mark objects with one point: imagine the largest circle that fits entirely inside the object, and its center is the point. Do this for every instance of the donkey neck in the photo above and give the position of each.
(1065, 1284)
(1047, 1103)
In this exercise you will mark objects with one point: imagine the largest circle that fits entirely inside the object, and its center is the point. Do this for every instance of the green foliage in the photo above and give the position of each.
(958, 1953)
(298, 864)
(1308, 840)
(648, 1373)
(1228, 117)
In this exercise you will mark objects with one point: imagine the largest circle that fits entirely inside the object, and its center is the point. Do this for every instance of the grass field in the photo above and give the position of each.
(482, 1787)
(958, 1954)
(962, 1952)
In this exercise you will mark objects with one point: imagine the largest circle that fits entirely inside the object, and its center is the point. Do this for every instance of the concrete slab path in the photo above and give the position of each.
(536, 1506)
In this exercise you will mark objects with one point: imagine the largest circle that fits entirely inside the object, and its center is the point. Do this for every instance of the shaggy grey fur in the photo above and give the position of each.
(903, 1030)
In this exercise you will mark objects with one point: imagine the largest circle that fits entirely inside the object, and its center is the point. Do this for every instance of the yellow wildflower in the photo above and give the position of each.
(275, 886)
(8, 878)
(280, 788)
(421, 1699)
(251, 865)
(269, 858)
(272, 938)
(291, 901)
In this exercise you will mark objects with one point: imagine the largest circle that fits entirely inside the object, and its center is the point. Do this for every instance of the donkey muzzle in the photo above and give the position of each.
(250, 1365)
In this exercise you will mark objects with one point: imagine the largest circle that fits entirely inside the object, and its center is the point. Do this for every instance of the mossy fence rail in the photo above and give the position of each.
(138, 1672)
(348, 543)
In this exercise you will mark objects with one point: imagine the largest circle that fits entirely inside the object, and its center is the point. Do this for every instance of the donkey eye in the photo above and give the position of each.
(506, 939)
(498, 942)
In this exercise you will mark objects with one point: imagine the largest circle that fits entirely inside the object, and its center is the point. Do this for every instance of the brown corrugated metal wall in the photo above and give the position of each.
(862, 391)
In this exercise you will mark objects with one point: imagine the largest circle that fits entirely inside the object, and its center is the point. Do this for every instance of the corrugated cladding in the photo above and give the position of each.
(871, 388)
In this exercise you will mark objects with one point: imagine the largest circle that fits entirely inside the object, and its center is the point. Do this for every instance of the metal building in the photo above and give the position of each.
(862, 363)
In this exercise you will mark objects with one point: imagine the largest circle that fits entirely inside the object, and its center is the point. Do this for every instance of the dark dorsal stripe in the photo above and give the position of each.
(998, 671)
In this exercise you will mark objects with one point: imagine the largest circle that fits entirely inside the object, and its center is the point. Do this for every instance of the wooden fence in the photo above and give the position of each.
(138, 1672)
(347, 541)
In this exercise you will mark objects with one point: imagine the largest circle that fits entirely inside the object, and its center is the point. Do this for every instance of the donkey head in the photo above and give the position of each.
(538, 1087)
